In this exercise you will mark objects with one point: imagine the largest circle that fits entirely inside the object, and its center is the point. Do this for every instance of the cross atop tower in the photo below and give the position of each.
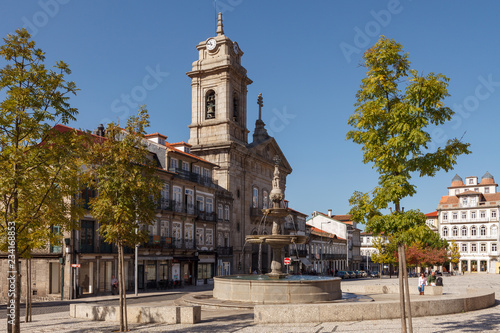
(261, 104)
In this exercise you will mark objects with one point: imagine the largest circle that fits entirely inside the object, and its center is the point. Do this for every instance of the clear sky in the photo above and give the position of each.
(303, 56)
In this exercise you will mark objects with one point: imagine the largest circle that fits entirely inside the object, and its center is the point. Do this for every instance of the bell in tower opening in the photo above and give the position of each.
(210, 105)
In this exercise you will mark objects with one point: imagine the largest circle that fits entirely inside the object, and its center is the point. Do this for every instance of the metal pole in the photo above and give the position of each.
(347, 248)
(321, 248)
(136, 273)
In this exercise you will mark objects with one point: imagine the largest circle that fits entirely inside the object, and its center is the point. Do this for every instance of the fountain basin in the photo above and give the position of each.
(260, 289)
(276, 240)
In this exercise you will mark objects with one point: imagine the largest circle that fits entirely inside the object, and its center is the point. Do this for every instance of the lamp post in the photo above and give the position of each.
(347, 247)
(321, 249)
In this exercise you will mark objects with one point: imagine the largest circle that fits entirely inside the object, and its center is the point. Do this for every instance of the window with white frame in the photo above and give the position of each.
(445, 216)
(255, 197)
(188, 232)
(483, 247)
(220, 212)
(473, 231)
(473, 247)
(165, 192)
(483, 214)
(445, 231)
(486, 190)
(164, 232)
(185, 166)
(476, 189)
(174, 163)
(482, 230)
(493, 247)
(200, 236)
(464, 231)
(455, 215)
(454, 231)
(473, 215)
(472, 201)
(200, 203)
(457, 191)
(209, 205)
(471, 181)
(494, 230)
(464, 201)
(177, 231)
(464, 247)
(220, 239)
(209, 237)
(226, 212)
(196, 169)
(207, 174)
(493, 213)
(464, 215)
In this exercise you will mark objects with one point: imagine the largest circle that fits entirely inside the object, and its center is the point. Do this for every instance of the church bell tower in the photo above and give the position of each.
(219, 93)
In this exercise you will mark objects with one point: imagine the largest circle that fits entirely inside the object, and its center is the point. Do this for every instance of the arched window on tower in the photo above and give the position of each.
(210, 105)
(236, 107)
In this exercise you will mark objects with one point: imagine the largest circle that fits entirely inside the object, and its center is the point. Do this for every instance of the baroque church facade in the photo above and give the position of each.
(219, 134)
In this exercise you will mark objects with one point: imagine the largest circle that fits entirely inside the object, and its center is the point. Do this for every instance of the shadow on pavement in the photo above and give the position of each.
(479, 323)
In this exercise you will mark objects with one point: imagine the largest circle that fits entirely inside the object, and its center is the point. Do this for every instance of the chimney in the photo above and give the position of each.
(100, 131)
(329, 213)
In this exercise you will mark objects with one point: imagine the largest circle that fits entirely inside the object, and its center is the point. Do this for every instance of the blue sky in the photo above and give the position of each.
(303, 56)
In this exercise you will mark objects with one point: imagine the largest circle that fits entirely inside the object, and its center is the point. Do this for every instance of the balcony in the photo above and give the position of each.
(158, 242)
(298, 253)
(224, 251)
(175, 206)
(206, 216)
(194, 177)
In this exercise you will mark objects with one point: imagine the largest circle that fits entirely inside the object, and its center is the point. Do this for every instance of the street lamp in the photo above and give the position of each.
(321, 249)
(347, 248)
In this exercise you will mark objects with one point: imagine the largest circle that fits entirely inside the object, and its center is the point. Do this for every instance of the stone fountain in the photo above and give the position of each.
(276, 287)
(276, 240)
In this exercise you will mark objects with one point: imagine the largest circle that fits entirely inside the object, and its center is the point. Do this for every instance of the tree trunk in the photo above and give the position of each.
(124, 291)
(401, 290)
(122, 326)
(407, 291)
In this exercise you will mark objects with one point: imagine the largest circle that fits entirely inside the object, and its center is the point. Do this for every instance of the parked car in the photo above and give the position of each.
(374, 274)
(342, 274)
(363, 273)
(352, 274)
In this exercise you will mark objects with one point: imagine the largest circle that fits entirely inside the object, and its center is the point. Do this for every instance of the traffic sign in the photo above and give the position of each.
(75, 265)
(287, 261)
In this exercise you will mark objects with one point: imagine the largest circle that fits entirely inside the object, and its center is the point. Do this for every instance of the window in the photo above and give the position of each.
(220, 212)
(486, 190)
(464, 215)
(494, 230)
(476, 189)
(200, 203)
(464, 201)
(455, 215)
(472, 215)
(494, 247)
(255, 197)
(235, 107)
(473, 247)
(87, 236)
(265, 200)
(189, 201)
(445, 216)
(210, 205)
(226, 213)
(473, 231)
(454, 231)
(56, 230)
(472, 201)
(445, 232)
(457, 192)
(482, 230)
(200, 236)
(464, 231)
(209, 237)
(164, 232)
(483, 247)
(185, 166)
(483, 214)
(165, 192)
(493, 213)
(464, 247)
(173, 164)
(188, 232)
(206, 174)
(177, 198)
(210, 105)
(177, 231)
(196, 169)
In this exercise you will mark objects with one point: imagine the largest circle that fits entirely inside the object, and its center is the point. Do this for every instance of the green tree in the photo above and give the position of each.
(454, 254)
(395, 104)
(38, 164)
(385, 251)
(124, 174)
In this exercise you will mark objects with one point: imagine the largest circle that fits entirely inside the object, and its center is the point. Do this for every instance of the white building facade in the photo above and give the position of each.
(469, 215)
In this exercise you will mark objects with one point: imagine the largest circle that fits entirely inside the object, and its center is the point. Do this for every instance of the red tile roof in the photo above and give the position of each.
(182, 143)
(155, 134)
(433, 214)
(171, 148)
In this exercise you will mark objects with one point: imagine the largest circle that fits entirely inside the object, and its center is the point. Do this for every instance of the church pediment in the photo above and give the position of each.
(267, 150)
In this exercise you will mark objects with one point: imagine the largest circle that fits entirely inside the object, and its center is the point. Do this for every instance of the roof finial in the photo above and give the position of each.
(261, 104)
(220, 30)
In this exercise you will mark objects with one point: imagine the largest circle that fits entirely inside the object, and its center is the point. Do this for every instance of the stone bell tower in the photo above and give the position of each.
(219, 93)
